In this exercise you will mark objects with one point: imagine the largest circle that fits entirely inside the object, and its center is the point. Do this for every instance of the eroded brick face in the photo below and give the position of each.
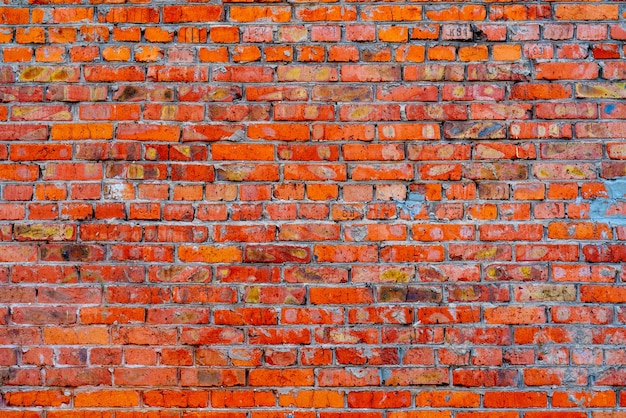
(312, 209)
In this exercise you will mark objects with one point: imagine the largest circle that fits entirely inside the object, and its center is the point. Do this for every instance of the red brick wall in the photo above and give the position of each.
(332, 210)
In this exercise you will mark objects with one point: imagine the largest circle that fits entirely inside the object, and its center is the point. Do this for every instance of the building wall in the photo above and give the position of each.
(312, 209)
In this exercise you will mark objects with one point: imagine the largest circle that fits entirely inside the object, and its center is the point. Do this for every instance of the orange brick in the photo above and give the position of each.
(506, 52)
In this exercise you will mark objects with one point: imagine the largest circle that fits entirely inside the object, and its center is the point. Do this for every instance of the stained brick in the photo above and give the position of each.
(266, 209)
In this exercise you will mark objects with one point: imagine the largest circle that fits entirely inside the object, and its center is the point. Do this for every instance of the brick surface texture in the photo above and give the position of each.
(312, 209)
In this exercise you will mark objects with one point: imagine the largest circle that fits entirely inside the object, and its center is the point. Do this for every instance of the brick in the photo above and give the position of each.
(303, 112)
(326, 13)
(456, 13)
(36, 398)
(160, 73)
(14, 16)
(383, 172)
(82, 131)
(586, 12)
(109, 112)
(277, 93)
(148, 132)
(173, 398)
(276, 254)
(470, 54)
(22, 94)
(491, 72)
(205, 203)
(421, 414)
(566, 71)
(436, 112)
(226, 399)
(194, 13)
(74, 377)
(259, 377)
(105, 74)
(256, 13)
(401, 131)
(174, 112)
(566, 111)
(353, 113)
(37, 113)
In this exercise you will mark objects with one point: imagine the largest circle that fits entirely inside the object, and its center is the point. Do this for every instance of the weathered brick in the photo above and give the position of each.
(205, 203)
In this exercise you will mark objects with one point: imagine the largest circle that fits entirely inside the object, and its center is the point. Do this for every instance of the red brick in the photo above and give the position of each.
(277, 246)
